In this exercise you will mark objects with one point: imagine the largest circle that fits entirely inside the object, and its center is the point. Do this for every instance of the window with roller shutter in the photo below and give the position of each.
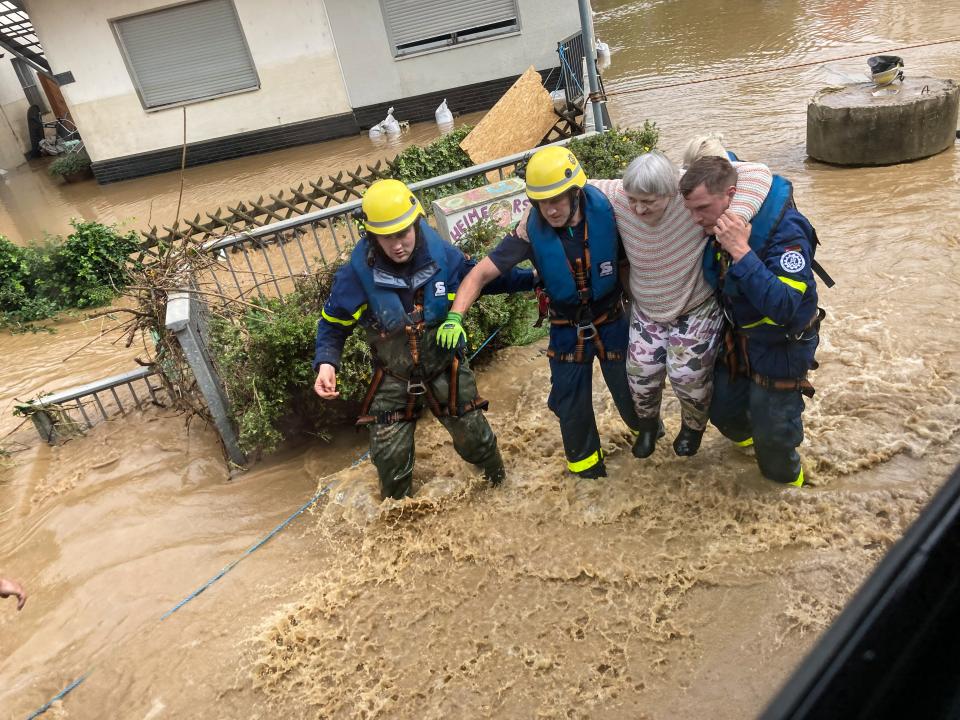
(186, 53)
(417, 25)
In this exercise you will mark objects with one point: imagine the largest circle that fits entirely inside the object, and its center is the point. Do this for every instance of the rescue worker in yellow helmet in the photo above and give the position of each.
(574, 246)
(398, 285)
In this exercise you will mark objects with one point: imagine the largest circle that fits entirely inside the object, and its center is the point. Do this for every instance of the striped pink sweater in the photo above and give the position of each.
(666, 274)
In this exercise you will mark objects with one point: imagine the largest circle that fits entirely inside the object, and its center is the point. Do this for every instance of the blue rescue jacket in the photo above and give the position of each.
(372, 296)
(771, 297)
(554, 268)
(380, 287)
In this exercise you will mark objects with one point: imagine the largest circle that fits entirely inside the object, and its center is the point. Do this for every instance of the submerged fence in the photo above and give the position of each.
(72, 411)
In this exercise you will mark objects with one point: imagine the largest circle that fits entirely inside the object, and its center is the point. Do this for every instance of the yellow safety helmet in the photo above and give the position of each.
(552, 171)
(389, 207)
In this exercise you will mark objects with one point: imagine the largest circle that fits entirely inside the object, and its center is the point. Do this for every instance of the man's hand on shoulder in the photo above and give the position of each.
(733, 234)
(521, 230)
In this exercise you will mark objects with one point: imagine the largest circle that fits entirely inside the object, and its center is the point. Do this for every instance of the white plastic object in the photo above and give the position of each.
(390, 125)
(443, 114)
(603, 55)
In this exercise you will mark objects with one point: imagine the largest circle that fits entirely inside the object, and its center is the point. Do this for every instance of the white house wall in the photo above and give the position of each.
(14, 136)
(290, 42)
(374, 76)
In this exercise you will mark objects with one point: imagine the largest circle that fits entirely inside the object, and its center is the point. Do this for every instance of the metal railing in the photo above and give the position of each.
(571, 55)
(267, 260)
(69, 411)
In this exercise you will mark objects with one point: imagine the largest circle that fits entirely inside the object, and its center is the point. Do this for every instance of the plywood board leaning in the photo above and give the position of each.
(518, 122)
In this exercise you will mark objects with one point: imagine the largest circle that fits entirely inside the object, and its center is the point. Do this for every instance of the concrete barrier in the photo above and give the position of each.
(851, 125)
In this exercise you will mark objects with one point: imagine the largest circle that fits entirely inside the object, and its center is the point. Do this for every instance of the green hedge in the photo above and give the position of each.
(440, 157)
(86, 269)
(606, 155)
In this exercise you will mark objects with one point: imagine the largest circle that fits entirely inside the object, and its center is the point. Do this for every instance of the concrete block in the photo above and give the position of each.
(851, 125)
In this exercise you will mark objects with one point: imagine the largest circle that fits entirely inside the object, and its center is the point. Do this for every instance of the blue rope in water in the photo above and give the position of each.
(492, 336)
(257, 545)
(63, 693)
(253, 548)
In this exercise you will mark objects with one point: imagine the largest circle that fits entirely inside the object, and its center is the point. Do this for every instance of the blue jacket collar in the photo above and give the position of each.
(411, 275)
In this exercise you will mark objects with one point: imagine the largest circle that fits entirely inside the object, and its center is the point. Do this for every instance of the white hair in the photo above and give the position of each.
(651, 173)
(703, 146)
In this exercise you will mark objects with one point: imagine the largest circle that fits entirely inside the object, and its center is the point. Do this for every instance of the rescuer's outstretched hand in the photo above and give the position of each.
(10, 587)
(326, 384)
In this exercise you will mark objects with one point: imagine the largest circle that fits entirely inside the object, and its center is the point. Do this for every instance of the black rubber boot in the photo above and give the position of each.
(651, 429)
(592, 473)
(493, 470)
(687, 441)
(398, 489)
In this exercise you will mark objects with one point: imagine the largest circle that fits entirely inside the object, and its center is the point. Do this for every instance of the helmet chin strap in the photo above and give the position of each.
(574, 195)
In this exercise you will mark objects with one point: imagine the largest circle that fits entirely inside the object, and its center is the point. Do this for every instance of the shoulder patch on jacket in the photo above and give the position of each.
(792, 261)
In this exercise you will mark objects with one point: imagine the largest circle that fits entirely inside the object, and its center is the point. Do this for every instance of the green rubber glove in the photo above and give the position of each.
(451, 332)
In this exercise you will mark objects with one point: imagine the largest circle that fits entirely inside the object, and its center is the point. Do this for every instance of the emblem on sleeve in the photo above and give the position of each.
(792, 261)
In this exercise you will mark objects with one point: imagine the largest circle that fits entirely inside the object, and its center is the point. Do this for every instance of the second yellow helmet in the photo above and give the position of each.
(552, 171)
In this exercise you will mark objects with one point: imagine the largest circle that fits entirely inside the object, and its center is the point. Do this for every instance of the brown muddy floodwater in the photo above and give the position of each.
(676, 588)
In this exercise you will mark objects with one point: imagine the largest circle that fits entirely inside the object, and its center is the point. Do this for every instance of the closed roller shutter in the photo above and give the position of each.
(421, 24)
(187, 52)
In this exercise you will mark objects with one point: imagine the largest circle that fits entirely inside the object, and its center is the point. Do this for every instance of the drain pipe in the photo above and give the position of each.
(590, 53)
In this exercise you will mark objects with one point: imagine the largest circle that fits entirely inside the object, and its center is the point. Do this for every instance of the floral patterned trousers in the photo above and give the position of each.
(684, 349)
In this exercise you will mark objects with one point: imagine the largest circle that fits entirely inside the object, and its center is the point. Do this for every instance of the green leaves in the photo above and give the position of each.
(606, 155)
(438, 158)
(87, 269)
(69, 163)
(264, 360)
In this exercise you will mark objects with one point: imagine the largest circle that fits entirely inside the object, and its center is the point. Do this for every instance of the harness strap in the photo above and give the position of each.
(605, 318)
(452, 389)
(371, 391)
(572, 357)
(543, 306)
(387, 418)
(579, 355)
(409, 414)
(735, 352)
(478, 403)
(801, 384)
(432, 401)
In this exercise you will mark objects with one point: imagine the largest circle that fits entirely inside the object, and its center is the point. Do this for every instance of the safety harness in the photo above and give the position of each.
(583, 320)
(418, 385)
(735, 343)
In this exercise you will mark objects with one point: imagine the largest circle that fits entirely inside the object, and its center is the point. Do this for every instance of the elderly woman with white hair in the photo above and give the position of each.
(676, 321)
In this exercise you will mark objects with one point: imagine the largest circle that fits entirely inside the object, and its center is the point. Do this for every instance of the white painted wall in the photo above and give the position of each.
(292, 48)
(14, 136)
(373, 75)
